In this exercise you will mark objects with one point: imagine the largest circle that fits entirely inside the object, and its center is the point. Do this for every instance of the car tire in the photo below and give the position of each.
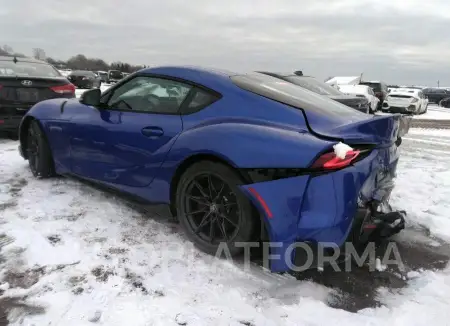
(231, 203)
(40, 159)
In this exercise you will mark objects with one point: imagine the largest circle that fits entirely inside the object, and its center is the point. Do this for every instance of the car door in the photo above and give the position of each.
(125, 141)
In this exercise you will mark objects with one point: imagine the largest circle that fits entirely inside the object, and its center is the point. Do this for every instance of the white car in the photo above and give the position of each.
(362, 91)
(405, 100)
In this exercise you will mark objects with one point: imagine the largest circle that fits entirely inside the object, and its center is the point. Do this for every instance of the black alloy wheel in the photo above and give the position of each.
(211, 208)
(39, 155)
(33, 150)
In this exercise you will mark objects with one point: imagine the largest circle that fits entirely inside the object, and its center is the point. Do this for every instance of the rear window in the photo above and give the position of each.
(27, 69)
(375, 86)
(115, 74)
(295, 96)
(313, 85)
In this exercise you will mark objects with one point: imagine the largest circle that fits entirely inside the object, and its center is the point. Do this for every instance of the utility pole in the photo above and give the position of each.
(438, 83)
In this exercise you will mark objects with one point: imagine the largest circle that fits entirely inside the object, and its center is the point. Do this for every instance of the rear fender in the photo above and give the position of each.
(250, 145)
(279, 202)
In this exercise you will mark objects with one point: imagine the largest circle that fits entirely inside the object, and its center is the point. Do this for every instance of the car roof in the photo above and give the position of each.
(355, 86)
(371, 81)
(215, 79)
(283, 74)
(21, 59)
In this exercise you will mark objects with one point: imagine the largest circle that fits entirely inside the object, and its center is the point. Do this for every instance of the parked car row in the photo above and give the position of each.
(107, 77)
(393, 99)
(25, 82)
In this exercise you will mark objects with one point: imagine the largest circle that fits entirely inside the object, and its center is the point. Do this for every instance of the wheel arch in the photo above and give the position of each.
(261, 226)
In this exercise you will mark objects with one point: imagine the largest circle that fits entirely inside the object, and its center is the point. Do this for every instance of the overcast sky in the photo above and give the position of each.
(396, 41)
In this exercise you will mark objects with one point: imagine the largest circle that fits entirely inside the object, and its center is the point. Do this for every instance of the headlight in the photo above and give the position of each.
(414, 100)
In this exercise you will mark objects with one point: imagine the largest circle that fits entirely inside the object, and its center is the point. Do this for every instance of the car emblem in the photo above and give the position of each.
(27, 82)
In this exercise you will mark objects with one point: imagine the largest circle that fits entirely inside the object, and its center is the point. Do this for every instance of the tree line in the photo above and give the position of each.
(77, 62)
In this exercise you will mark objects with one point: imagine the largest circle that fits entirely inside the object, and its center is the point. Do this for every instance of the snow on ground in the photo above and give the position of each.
(435, 112)
(80, 91)
(83, 256)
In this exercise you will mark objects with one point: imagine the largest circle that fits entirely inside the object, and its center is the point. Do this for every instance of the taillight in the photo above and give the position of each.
(64, 89)
(330, 161)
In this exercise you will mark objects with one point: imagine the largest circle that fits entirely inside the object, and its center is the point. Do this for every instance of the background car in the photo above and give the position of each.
(406, 100)
(84, 79)
(114, 76)
(312, 84)
(379, 88)
(435, 95)
(445, 103)
(362, 91)
(237, 157)
(23, 83)
(103, 76)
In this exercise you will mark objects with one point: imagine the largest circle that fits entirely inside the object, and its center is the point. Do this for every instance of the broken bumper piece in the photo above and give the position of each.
(382, 226)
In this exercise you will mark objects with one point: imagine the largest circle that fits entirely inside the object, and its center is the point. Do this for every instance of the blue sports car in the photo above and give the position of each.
(230, 154)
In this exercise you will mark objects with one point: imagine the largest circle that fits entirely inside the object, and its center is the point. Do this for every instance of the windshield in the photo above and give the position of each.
(28, 69)
(313, 85)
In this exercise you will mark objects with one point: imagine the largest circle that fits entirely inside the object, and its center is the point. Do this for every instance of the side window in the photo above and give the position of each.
(370, 90)
(149, 94)
(200, 100)
(420, 95)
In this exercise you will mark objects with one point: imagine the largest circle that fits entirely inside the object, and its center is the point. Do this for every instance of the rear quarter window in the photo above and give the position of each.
(294, 96)
(200, 100)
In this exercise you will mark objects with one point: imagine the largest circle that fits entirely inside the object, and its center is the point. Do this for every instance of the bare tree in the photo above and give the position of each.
(39, 54)
(8, 49)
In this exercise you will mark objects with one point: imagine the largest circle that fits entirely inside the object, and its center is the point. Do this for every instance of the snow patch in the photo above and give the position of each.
(341, 150)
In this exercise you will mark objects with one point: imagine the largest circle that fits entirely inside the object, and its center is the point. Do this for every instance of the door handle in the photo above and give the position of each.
(152, 131)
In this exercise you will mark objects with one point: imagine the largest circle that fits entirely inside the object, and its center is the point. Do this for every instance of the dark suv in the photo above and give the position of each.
(114, 76)
(435, 95)
(84, 79)
(310, 83)
(379, 88)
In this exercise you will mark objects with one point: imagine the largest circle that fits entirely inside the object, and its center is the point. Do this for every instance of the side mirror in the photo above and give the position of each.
(91, 97)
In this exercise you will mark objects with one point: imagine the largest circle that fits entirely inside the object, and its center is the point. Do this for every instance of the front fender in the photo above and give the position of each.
(247, 145)
(45, 110)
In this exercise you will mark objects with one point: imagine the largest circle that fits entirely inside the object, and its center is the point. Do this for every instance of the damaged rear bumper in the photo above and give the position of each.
(367, 228)
(324, 210)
